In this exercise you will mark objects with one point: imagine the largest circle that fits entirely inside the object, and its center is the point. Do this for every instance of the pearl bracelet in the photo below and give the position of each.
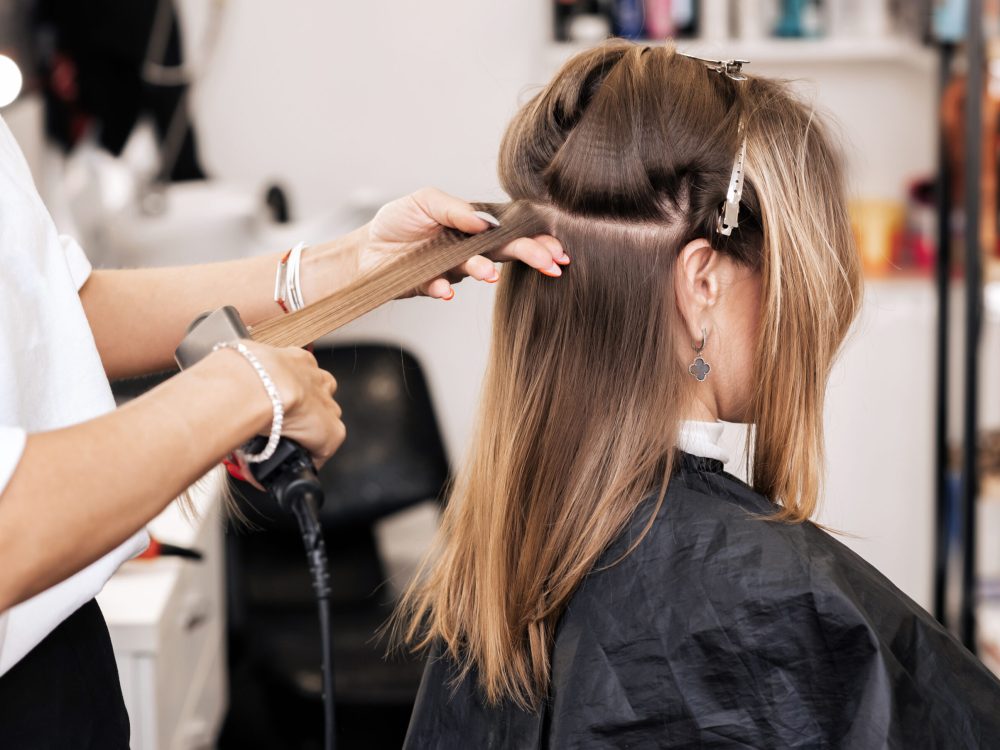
(277, 407)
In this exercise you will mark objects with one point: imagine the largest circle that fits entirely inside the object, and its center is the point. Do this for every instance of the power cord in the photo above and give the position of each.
(290, 478)
(305, 506)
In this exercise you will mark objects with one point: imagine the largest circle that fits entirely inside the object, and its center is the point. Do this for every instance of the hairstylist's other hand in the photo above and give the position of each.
(312, 417)
(421, 214)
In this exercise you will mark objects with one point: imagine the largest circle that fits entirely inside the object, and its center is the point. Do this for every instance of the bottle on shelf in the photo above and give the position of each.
(563, 11)
(860, 19)
(750, 19)
(799, 19)
(590, 21)
(629, 21)
(714, 21)
(659, 19)
(685, 13)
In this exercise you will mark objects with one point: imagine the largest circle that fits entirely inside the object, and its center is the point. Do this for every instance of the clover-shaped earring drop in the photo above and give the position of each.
(699, 369)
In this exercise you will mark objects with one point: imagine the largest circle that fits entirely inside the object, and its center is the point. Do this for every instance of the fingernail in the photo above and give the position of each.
(488, 218)
(492, 278)
(552, 270)
(234, 470)
(450, 297)
(564, 260)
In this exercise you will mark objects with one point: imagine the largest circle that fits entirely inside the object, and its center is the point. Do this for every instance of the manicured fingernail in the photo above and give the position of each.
(564, 260)
(493, 278)
(450, 297)
(488, 218)
(552, 270)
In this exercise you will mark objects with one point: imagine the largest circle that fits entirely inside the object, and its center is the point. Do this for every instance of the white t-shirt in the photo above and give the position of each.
(50, 375)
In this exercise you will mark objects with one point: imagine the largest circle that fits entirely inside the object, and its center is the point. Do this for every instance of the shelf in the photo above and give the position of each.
(888, 50)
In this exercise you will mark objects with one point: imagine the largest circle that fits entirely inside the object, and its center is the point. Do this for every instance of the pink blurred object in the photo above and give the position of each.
(659, 19)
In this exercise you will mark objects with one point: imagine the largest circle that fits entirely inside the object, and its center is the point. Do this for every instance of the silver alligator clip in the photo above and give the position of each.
(732, 69)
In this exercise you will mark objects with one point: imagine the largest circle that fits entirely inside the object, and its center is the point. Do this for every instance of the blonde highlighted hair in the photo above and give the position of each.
(625, 157)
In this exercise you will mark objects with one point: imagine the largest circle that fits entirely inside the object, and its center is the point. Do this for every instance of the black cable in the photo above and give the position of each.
(329, 717)
(305, 506)
(942, 493)
(290, 478)
(974, 92)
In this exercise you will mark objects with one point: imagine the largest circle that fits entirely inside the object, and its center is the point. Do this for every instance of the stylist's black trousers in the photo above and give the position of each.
(65, 694)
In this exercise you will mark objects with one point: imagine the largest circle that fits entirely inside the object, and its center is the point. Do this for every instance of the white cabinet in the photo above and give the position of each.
(167, 623)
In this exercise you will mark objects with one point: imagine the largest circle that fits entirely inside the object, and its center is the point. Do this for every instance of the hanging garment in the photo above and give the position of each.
(93, 76)
(724, 630)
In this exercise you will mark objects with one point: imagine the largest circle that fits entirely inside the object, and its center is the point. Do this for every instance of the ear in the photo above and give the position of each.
(696, 286)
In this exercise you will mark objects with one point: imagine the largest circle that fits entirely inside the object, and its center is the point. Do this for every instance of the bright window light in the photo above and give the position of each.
(10, 80)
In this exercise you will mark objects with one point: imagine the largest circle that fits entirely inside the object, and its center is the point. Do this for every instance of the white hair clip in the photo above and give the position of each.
(730, 68)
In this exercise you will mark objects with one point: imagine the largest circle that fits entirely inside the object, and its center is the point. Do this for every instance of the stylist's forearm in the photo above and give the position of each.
(80, 491)
(139, 316)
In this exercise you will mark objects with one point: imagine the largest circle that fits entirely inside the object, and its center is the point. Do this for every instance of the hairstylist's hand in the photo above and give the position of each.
(312, 417)
(419, 215)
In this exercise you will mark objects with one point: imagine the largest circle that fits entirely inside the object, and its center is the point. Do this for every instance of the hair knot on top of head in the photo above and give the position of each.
(635, 134)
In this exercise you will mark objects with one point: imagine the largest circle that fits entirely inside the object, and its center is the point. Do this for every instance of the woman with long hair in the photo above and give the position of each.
(599, 580)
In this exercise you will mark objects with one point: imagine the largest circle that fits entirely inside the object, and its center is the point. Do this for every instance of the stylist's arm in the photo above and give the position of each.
(80, 491)
(138, 316)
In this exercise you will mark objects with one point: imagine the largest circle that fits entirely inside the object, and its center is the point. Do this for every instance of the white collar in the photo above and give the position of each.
(702, 439)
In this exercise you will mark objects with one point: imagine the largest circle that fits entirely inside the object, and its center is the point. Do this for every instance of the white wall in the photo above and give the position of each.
(880, 440)
(883, 112)
(341, 97)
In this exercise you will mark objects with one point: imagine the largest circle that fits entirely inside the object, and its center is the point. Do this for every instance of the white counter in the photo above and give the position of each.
(167, 623)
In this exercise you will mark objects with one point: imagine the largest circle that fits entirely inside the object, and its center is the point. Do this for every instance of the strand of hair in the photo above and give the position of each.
(408, 269)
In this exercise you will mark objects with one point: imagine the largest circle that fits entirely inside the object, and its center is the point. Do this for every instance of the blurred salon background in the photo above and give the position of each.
(164, 132)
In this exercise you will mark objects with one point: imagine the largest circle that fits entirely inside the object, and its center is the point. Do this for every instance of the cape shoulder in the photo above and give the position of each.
(724, 627)
(720, 629)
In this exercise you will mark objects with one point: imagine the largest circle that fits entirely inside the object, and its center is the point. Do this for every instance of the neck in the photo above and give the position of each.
(702, 407)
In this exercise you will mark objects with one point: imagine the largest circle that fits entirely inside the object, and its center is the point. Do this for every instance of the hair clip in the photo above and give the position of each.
(732, 69)
(729, 214)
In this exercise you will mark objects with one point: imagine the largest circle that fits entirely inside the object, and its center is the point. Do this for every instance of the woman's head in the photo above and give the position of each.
(639, 136)
(626, 156)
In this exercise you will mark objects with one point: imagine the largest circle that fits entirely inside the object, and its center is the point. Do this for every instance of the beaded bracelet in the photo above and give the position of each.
(277, 407)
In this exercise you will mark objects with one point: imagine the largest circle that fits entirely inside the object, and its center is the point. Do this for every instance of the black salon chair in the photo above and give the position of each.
(393, 459)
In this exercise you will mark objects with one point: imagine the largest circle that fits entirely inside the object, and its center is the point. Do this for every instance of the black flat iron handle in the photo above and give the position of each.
(289, 472)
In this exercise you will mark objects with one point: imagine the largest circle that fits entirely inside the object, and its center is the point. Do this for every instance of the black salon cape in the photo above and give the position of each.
(721, 630)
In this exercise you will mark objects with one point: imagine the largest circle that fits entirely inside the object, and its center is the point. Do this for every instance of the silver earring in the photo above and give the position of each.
(699, 369)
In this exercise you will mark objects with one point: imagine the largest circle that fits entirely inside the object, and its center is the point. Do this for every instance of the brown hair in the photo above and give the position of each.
(627, 155)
